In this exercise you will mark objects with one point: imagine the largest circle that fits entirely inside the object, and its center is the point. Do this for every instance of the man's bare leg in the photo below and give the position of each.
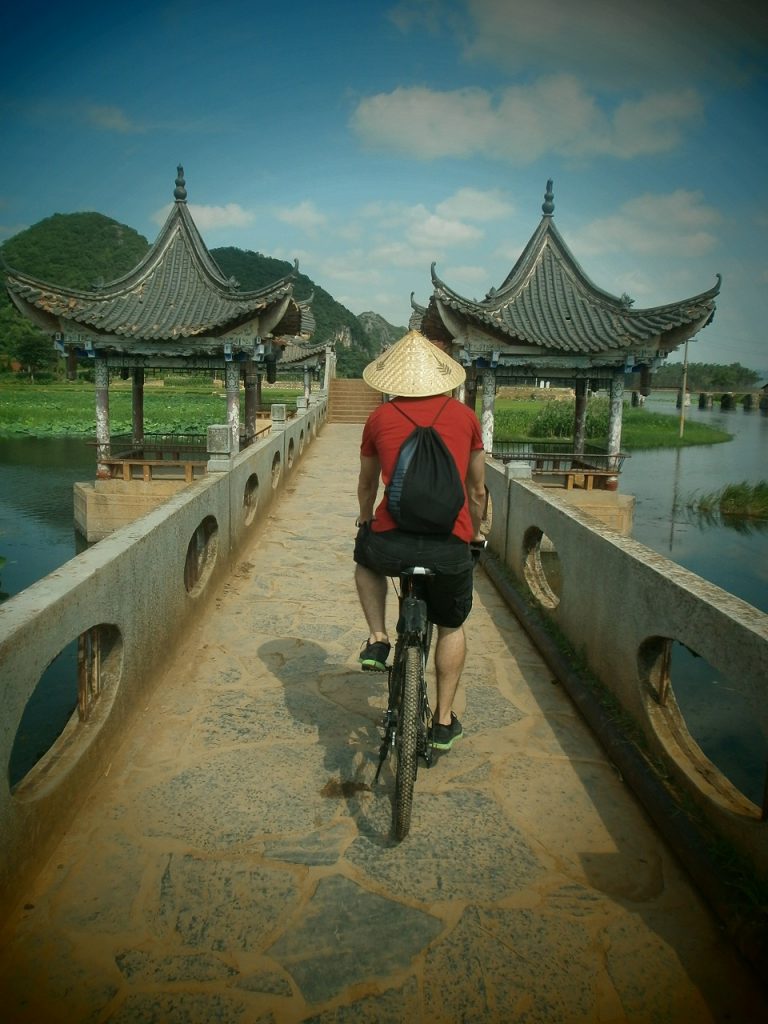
(372, 591)
(450, 651)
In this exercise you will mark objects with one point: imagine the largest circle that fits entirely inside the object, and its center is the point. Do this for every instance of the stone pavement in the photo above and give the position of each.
(234, 864)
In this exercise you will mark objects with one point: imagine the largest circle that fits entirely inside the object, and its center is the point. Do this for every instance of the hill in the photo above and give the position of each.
(75, 249)
(79, 249)
(379, 330)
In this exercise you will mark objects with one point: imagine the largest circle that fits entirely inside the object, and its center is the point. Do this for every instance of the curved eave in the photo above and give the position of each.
(294, 354)
(552, 305)
(152, 313)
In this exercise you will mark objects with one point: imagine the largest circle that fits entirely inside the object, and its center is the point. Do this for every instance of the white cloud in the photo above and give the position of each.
(677, 224)
(474, 204)
(425, 123)
(304, 215)
(111, 119)
(554, 115)
(208, 218)
(439, 232)
(418, 229)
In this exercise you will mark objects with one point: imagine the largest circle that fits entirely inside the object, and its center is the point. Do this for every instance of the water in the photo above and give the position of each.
(37, 536)
(37, 533)
(661, 480)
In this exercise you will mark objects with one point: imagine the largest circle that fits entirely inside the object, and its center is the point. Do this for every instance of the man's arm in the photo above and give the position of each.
(367, 486)
(475, 485)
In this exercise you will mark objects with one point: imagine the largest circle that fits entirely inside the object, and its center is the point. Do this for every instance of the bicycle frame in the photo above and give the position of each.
(408, 716)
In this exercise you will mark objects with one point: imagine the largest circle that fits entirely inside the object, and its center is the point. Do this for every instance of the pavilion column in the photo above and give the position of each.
(470, 390)
(489, 403)
(252, 382)
(614, 417)
(330, 367)
(101, 375)
(71, 362)
(232, 385)
(137, 406)
(580, 418)
(307, 384)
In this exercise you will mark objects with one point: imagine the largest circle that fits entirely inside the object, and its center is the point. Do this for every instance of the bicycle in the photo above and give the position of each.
(408, 719)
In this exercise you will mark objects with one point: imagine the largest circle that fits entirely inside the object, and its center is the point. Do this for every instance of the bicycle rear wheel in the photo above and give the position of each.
(407, 734)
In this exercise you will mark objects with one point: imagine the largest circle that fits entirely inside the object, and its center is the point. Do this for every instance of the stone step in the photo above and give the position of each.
(351, 401)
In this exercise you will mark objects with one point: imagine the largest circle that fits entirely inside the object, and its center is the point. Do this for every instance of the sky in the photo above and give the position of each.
(370, 139)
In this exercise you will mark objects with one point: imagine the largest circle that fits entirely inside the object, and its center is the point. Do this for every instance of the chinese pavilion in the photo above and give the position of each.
(548, 320)
(175, 310)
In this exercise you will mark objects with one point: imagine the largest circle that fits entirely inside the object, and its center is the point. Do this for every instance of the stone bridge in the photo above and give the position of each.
(209, 845)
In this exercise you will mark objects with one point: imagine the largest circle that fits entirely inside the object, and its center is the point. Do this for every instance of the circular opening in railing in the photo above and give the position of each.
(77, 686)
(301, 442)
(719, 720)
(541, 567)
(290, 456)
(201, 555)
(251, 498)
(276, 467)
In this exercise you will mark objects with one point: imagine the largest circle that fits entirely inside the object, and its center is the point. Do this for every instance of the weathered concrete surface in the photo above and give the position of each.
(234, 863)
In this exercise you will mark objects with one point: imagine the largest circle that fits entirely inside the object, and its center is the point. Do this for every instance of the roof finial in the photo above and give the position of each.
(180, 192)
(548, 205)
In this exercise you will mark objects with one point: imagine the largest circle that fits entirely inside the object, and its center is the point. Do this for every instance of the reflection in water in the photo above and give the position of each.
(708, 517)
(37, 534)
(733, 559)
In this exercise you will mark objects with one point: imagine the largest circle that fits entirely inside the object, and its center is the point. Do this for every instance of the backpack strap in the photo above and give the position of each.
(439, 411)
(434, 421)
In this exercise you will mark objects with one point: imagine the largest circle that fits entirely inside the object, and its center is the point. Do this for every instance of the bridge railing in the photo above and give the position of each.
(621, 608)
(125, 602)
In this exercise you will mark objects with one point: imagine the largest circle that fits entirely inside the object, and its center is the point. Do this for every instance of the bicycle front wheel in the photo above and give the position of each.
(407, 733)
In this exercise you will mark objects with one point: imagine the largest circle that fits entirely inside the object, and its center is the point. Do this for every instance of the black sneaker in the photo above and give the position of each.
(373, 656)
(443, 736)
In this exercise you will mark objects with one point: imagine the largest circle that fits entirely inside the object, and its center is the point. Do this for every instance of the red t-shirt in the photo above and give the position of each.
(386, 429)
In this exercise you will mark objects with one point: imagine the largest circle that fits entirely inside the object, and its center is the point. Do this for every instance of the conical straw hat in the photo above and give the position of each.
(414, 368)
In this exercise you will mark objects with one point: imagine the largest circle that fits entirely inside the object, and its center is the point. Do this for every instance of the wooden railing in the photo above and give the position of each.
(593, 466)
(163, 456)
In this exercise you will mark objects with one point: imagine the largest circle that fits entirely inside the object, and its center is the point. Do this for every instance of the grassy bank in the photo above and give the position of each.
(55, 410)
(538, 420)
(68, 409)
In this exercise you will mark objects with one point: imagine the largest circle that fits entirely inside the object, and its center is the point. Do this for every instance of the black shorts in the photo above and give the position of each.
(448, 592)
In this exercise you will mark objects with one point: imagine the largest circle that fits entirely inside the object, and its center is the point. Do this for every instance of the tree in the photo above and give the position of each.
(35, 351)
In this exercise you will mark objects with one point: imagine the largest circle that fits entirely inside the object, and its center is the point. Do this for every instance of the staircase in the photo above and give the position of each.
(351, 401)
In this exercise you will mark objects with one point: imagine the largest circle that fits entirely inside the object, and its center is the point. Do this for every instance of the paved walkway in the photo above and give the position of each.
(234, 864)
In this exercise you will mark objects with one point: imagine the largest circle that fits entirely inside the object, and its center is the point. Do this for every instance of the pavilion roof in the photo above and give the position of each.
(176, 292)
(547, 302)
(294, 354)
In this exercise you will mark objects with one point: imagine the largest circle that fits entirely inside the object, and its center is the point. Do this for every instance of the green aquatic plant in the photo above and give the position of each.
(742, 506)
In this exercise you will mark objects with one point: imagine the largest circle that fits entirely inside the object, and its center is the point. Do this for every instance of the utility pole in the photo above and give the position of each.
(684, 389)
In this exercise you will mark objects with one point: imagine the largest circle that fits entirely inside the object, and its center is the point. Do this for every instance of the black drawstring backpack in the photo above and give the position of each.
(425, 494)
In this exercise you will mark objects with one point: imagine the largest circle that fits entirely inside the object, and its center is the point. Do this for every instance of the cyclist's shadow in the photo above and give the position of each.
(344, 707)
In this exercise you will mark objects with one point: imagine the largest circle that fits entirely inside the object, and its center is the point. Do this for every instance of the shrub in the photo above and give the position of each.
(555, 419)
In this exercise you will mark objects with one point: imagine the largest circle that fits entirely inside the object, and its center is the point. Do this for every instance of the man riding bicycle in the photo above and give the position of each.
(418, 374)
